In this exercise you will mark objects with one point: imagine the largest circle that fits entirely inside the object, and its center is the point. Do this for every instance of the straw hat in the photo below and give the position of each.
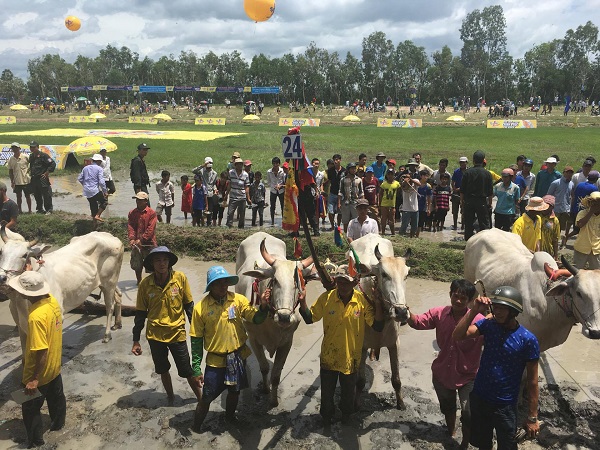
(593, 197)
(537, 204)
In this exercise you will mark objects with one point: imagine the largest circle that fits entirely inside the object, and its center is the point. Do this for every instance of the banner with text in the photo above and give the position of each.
(209, 121)
(399, 123)
(299, 122)
(7, 120)
(58, 153)
(144, 120)
(508, 124)
(82, 119)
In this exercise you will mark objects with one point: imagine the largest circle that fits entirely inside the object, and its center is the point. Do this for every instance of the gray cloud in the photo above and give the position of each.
(153, 28)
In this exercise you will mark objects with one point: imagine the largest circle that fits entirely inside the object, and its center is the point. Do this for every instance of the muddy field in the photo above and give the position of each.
(115, 401)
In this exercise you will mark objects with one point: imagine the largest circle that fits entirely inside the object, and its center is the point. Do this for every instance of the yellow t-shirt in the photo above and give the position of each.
(588, 239)
(495, 176)
(45, 332)
(388, 193)
(222, 334)
(530, 231)
(550, 233)
(343, 329)
(166, 316)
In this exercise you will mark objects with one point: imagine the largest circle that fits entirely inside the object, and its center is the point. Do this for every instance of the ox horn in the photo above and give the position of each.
(3, 233)
(378, 253)
(36, 239)
(265, 254)
(570, 267)
(307, 262)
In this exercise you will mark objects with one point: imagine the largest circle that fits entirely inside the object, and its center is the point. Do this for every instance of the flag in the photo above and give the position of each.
(291, 219)
(568, 103)
(337, 237)
(351, 268)
(303, 165)
(297, 249)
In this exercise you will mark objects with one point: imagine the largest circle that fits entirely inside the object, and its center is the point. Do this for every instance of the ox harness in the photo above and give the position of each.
(299, 285)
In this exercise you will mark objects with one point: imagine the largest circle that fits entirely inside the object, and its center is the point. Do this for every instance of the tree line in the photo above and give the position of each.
(401, 72)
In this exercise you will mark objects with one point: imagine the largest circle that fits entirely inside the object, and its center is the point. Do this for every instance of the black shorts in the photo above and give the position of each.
(26, 188)
(179, 352)
(440, 215)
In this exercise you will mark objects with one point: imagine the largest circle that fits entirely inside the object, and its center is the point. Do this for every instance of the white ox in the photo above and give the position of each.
(73, 272)
(550, 310)
(275, 334)
(384, 275)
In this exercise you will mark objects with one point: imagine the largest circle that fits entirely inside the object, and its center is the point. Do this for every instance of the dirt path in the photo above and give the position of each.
(115, 401)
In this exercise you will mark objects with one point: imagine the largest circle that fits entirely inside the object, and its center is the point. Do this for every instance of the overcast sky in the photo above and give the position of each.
(31, 28)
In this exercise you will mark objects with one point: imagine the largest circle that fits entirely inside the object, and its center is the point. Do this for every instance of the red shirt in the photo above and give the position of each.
(371, 190)
(458, 361)
(141, 225)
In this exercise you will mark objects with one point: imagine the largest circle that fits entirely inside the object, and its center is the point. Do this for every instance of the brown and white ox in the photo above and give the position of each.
(271, 269)
(73, 272)
(384, 275)
(550, 309)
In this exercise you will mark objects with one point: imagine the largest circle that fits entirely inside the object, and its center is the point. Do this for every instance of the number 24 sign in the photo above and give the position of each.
(292, 146)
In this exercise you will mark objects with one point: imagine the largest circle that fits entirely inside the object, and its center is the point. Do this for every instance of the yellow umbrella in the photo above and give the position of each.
(90, 144)
(456, 119)
(163, 116)
(251, 117)
(97, 116)
(351, 118)
(19, 108)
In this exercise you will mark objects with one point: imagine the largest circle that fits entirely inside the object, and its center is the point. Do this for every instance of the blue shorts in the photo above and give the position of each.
(332, 202)
(214, 383)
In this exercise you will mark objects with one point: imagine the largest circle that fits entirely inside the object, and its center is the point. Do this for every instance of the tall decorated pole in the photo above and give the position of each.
(294, 213)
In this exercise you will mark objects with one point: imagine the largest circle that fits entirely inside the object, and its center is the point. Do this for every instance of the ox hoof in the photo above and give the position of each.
(116, 326)
(400, 405)
(106, 339)
(273, 402)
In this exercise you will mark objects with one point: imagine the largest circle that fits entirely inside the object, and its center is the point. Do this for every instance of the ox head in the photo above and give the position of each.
(391, 273)
(583, 290)
(285, 283)
(15, 255)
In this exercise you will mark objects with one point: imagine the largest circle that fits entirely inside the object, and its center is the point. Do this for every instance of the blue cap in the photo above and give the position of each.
(529, 162)
(369, 169)
(161, 249)
(218, 272)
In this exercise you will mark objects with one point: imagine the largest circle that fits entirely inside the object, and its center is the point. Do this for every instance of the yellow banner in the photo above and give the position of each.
(169, 88)
(208, 89)
(99, 87)
(209, 121)
(7, 120)
(508, 124)
(399, 123)
(247, 88)
(82, 119)
(142, 119)
(299, 122)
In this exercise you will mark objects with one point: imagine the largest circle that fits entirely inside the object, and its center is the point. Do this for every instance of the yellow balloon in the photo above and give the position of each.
(73, 23)
(259, 10)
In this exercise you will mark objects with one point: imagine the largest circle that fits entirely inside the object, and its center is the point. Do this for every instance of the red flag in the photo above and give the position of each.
(297, 248)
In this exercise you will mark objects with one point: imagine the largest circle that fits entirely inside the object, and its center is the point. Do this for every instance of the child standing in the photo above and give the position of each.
(221, 191)
(186, 196)
(442, 194)
(410, 204)
(387, 201)
(166, 196)
(198, 202)
(257, 195)
(425, 194)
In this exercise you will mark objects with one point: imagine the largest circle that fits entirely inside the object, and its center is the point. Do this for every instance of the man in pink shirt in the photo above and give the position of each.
(457, 363)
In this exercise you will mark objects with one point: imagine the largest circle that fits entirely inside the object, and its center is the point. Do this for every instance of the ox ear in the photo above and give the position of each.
(310, 274)
(261, 274)
(558, 289)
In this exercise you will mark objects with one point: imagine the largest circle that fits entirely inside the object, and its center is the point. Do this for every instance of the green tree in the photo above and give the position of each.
(377, 53)
(578, 51)
(12, 87)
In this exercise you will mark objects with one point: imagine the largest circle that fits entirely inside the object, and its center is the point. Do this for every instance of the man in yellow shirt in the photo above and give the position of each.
(163, 297)
(217, 326)
(550, 228)
(43, 352)
(345, 313)
(529, 225)
(587, 244)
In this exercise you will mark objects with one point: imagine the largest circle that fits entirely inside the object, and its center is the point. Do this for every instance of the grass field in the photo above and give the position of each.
(572, 138)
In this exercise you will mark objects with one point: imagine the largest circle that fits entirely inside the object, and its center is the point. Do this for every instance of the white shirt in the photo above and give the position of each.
(356, 230)
(274, 179)
(106, 167)
(165, 193)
